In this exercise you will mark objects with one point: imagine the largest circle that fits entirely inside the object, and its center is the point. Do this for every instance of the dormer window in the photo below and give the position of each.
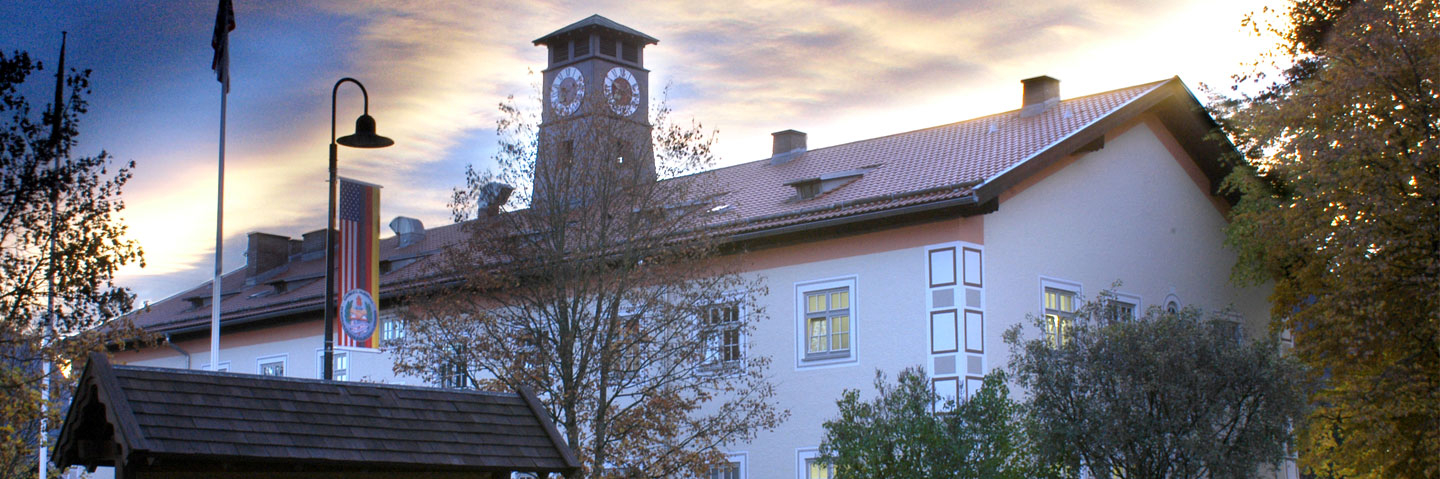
(808, 188)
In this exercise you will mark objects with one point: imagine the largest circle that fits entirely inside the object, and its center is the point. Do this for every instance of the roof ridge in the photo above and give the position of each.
(202, 372)
(943, 125)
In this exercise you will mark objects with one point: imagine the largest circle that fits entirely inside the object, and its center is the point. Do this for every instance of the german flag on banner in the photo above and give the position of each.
(358, 269)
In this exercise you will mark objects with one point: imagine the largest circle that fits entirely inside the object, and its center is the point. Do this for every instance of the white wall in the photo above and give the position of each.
(299, 342)
(1128, 212)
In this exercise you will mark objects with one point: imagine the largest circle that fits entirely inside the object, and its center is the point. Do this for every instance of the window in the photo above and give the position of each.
(560, 52)
(731, 470)
(1231, 325)
(1172, 304)
(1059, 315)
(1122, 307)
(394, 329)
(808, 465)
(814, 469)
(629, 51)
(827, 323)
(224, 367)
(341, 370)
(454, 374)
(723, 335)
(272, 365)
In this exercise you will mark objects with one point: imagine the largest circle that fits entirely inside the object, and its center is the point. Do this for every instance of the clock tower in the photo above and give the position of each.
(594, 125)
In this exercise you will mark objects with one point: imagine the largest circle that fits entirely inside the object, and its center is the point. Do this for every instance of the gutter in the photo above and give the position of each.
(966, 200)
(177, 348)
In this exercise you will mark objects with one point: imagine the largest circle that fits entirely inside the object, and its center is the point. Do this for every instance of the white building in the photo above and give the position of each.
(926, 245)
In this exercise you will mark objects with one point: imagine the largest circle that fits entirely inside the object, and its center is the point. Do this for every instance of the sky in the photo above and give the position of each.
(436, 71)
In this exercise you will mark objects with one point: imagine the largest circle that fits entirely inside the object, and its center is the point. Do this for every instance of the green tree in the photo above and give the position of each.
(1169, 395)
(36, 168)
(1339, 204)
(598, 292)
(898, 434)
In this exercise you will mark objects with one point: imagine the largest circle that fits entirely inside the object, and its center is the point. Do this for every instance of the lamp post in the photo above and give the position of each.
(364, 137)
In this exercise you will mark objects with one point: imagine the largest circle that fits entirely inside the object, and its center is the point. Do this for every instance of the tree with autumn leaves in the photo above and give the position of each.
(46, 192)
(1340, 208)
(599, 291)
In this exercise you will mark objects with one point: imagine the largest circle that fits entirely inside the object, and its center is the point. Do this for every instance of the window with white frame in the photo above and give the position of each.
(723, 330)
(454, 375)
(1059, 315)
(224, 366)
(809, 466)
(1231, 324)
(827, 323)
(1172, 303)
(1122, 307)
(815, 469)
(271, 365)
(392, 330)
(341, 369)
(734, 468)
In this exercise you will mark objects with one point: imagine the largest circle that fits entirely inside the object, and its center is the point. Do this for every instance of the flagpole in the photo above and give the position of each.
(50, 270)
(224, 23)
(219, 244)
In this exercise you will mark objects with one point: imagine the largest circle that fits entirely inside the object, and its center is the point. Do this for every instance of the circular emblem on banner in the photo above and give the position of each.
(358, 315)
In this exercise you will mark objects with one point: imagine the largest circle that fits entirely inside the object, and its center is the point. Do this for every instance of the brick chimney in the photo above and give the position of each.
(788, 144)
(265, 252)
(1041, 93)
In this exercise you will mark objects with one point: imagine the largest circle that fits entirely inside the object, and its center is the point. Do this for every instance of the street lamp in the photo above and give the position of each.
(364, 137)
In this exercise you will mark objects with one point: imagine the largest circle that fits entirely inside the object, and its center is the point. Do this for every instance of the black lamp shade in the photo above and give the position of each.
(365, 136)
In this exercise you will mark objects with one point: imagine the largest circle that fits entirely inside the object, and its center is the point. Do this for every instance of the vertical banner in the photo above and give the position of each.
(358, 270)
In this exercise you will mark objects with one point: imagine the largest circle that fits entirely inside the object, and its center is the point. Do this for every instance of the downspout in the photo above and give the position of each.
(177, 348)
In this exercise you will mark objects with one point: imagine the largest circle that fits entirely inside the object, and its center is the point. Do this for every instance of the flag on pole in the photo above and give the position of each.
(358, 270)
(224, 24)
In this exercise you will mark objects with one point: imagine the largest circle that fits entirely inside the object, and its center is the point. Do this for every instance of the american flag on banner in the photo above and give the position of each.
(358, 270)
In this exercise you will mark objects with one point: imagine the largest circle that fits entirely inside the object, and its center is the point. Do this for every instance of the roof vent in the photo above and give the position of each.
(493, 196)
(408, 230)
(1041, 93)
(788, 144)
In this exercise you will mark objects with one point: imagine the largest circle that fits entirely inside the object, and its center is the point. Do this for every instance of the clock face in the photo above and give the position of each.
(622, 91)
(567, 90)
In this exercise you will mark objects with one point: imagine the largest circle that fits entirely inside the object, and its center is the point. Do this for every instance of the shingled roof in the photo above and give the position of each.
(954, 169)
(186, 420)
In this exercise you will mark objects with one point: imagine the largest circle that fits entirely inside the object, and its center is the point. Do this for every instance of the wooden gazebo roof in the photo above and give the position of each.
(171, 422)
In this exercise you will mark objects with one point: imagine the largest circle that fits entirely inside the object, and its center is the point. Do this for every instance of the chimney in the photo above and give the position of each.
(265, 252)
(493, 196)
(1041, 93)
(312, 246)
(408, 230)
(787, 144)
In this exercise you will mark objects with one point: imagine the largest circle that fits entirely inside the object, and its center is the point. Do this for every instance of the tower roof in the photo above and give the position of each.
(597, 22)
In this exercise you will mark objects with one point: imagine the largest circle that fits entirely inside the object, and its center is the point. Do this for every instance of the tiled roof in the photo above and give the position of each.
(596, 21)
(237, 418)
(956, 162)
